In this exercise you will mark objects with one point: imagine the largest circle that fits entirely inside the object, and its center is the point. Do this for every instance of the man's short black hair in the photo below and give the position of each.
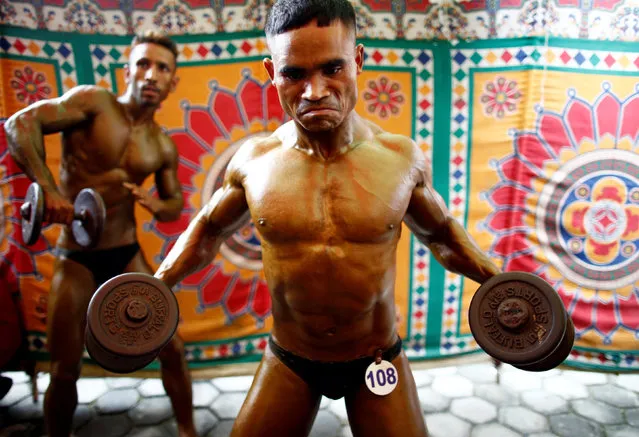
(287, 15)
(154, 37)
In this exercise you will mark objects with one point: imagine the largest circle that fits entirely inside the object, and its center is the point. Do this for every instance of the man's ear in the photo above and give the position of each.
(359, 57)
(174, 82)
(270, 69)
(127, 74)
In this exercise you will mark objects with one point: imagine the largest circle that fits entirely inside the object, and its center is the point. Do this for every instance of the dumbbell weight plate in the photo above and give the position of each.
(130, 318)
(558, 355)
(87, 230)
(517, 318)
(32, 213)
(113, 362)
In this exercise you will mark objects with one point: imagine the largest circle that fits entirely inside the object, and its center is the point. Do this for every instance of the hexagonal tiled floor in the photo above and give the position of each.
(466, 401)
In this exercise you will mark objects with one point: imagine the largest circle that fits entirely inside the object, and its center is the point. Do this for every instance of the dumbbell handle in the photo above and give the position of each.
(82, 215)
(25, 212)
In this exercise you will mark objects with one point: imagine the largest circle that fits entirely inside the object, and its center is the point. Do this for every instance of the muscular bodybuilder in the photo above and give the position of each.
(328, 192)
(111, 144)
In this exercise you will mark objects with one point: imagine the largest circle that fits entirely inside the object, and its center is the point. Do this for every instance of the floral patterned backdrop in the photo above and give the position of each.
(616, 20)
(504, 97)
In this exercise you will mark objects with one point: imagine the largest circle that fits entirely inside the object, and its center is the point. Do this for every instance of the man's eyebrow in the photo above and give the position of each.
(334, 63)
(289, 69)
(286, 70)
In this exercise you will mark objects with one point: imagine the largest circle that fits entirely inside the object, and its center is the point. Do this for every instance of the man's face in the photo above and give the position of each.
(315, 72)
(150, 73)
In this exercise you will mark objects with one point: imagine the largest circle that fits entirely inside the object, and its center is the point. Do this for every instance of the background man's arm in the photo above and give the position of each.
(25, 129)
(431, 222)
(169, 203)
(225, 213)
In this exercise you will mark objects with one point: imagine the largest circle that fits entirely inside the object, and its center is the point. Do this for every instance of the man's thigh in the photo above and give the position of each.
(398, 414)
(279, 403)
(72, 286)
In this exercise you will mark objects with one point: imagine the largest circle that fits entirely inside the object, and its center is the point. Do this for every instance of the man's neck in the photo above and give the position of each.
(329, 144)
(139, 115)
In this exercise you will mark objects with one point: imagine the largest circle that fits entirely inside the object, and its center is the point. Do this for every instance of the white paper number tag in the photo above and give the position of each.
(381, 378)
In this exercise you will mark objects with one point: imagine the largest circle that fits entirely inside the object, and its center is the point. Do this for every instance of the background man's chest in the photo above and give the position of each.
(116, 145)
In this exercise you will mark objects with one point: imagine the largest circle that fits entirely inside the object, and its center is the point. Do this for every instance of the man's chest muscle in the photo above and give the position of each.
(319, 201)
(143, 155)
(132, 149)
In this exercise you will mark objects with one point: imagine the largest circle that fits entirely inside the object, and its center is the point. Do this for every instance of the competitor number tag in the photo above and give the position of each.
(381, 379)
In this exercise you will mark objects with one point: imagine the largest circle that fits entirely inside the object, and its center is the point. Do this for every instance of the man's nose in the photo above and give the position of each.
(151, 74)
(315, 89)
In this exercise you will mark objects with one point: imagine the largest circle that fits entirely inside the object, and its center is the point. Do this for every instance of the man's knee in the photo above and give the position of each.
(67, 371)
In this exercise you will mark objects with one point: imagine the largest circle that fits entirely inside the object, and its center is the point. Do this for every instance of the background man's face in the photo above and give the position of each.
(315, 72)
(150, 73)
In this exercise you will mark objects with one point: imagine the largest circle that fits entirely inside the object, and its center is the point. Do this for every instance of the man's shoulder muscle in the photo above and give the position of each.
(251, 150)
(255, 148)
(167, 145)
(407, 148)
(89, 94)
(401, 144)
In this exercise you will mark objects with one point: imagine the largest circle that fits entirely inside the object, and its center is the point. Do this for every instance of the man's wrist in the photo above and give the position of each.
(164, 210)
(49, 188)
(164, 278)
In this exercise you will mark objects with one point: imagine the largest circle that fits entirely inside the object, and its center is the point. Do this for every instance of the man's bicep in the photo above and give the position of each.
(227, 210)
(427, 213)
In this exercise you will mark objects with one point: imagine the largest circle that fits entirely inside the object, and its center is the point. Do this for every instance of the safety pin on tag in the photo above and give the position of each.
(381, 376)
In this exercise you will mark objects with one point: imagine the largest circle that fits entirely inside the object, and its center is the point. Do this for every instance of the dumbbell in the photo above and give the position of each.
(130, 318)
(519, 319)
(87, 224)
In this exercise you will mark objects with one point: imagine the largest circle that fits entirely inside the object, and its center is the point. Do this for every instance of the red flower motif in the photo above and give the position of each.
(383, 97)
(29, 87)
(604, 221)
(500, 97)
(567, 209)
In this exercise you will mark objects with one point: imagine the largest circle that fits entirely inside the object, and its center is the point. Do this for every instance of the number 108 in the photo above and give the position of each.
(382, 378)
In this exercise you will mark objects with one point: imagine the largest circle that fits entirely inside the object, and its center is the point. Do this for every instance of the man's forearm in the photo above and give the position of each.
(458, 253)
(26, 146)
(193, 250)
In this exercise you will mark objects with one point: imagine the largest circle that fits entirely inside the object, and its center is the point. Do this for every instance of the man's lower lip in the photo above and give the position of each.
(319, 111)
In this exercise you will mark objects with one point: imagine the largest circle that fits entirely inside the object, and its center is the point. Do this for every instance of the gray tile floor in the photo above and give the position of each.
(462, 401)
